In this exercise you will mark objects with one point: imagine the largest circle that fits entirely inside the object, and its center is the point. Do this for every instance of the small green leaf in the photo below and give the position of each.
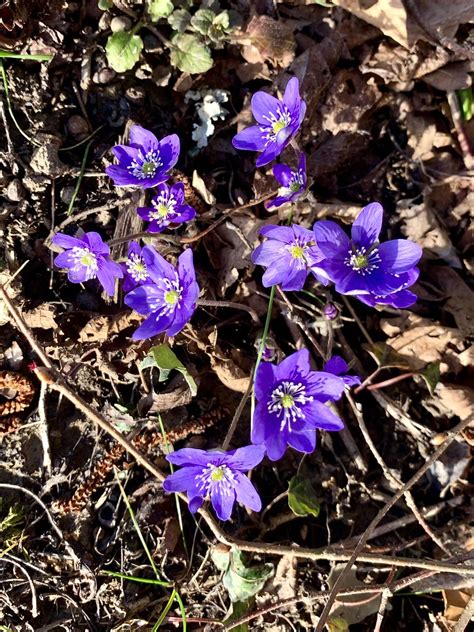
(431, 376)
(163, 358)
(220, 555)
(337, 624)
(123, 50)
(189, 54)
(159, 9)
(302, 497)
(386, 356)
(243, 582)
(465, 101)
(202, 20)
(179, 20)
(239, 610)
(105, 4)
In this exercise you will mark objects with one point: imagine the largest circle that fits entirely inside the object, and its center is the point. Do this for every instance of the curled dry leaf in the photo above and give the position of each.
(265, 38)
(455, 399)
(421, 225)
(424, 341)
(101, 328)
(442, 18)
(41, 317)
(459, 298)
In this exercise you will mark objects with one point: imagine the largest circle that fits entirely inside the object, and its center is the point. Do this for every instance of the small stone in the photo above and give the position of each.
(104, 75)
(66, 194)
(45, 159)
(77, 126)
(14, 191)
(120, 23)
(151, 44)
(104, 21)
(36, 183)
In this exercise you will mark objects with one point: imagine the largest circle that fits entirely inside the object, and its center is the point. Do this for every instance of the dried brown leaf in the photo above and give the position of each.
(41, 317)
(101, 328)
(267, 39)
(460, 298)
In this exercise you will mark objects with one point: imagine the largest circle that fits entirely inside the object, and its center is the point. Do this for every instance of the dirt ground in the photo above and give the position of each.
(389, 118)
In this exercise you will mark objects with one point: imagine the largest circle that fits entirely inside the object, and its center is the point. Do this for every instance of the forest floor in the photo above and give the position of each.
(389, 119)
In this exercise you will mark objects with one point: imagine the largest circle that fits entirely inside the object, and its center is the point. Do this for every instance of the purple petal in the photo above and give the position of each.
(246, 493)
(155, 324)
(180, 318)
(249, 139)
(320, 416)
(143, 137)
(303, 441)
(276, 446)
(286, 234)
(66, 241)
(381, 283)
(264, 379)
(294, 281)
(399, 300)
(324, 386)
(272, 150)
(107, 273)
(336, 365)
(302, 233)
(79, 275)
(222, 501)
(292, 98)
(96, 243)
(399, 255)
(279, 272)
(296, 362)
(195, 503)
(177, 191)
(182, 480)
(246, 458)
(157, 265)
(283, 174)
(64, 260)
(366, 228)
(125, 154)
(169, 150)
(263, 105)
(122, 177)
(331, 239)
(194, 456)
(143, 299)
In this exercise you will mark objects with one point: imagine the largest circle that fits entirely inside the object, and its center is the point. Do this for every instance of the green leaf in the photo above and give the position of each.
(302, 497)
(202, 20)
(431, 375)
(189, 54)
(163, 358)
(243, 582)
(179, 20)
(465, 101)
(123, 50)
(105, 4)
(239, 609)
(159, 9)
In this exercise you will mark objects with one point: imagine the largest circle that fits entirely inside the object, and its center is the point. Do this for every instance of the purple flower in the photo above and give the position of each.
(169, 299)
(373, 272)
(167, 207)
(330, 311)
(217, 476)
(293, 183)
(146, 161)
(289, 253)
(135, 269)
(291, 406)
(278, 121)
(337, 366)
(87, 258)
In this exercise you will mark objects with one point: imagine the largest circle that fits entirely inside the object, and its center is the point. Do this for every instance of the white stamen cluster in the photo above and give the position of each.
(276, 122)
(287, 402)
(170, 289)
(136, 267)
(84, 258)
(213, 476)
(295, 185)
(164, 208)
(363, 261)
(297, 250)
(145, 166)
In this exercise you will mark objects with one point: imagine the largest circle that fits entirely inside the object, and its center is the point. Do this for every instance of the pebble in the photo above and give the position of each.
(66, 194)
(14, 191)
(77, 126)
(120, 23)
(104, 75)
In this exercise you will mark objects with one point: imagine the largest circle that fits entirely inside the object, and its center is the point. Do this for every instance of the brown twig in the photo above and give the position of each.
(231, 305)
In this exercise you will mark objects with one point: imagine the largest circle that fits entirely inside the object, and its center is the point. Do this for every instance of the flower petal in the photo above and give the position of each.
(249, 139)
(286, 234)
(276, 446)
(157, 265)
(366, 228)
(155, 324)
(297, 362)
(96, 243)
(336, 365)
(303, 441)
(107, 272)
(264, 379)
(321, 416)
(263, 105)
(399, 255)
(245, 458)
(194, 456)
(143, 299)
(66, 241)
(143, 137)
(169, 151)
(291, 97)
(324, 386)
(223, 501)
(272, 150)
(245, 492)
(182, 480)
(331, 239)
(122, 177)
(283, 174)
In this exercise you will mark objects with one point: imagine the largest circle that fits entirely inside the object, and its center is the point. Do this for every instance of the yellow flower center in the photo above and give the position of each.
(359, 262)
(148, 168)
(278, 126)
(297, 252)
(171, 297)
(87, 259)
(217, 474)
(162, 210)
(287, 401)
(295, 186)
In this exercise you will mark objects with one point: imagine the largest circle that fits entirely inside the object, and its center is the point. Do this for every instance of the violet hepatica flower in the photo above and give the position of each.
(338, 366)
(169, 300)
(278, 122)
(167, 207)
(373, 272)
(293, 183)
(135, 269)
(217, 476)
(87, 258)
(289, 253)
(146, 161)
(291, 404)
